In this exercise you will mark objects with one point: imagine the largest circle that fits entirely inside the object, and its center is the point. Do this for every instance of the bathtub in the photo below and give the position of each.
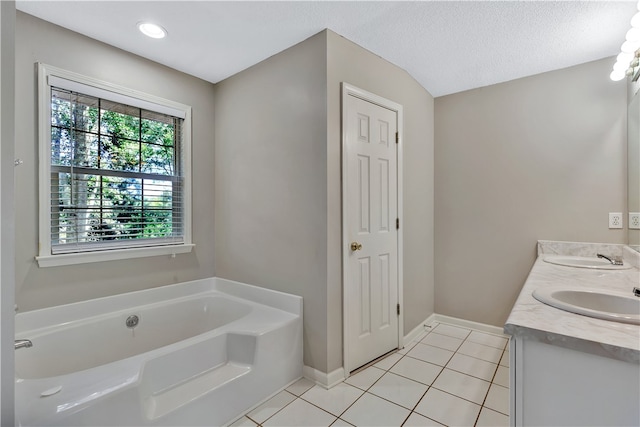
(200, 353)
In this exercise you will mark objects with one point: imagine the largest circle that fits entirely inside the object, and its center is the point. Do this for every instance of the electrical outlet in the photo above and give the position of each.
(615, 220)
(634, 220)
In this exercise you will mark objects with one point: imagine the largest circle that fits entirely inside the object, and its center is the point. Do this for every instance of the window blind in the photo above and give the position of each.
(116, 174)
(97, 92)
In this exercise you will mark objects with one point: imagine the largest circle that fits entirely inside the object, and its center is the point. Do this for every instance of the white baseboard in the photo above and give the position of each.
(335, 377)
(418, 330)
(441, 318)
(325, 380)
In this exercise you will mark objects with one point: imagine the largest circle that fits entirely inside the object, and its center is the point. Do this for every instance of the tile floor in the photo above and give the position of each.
(448, 376)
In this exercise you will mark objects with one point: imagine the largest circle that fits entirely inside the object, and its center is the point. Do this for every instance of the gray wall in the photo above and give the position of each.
(348, 62)
(277, 182)
(541, 157)
(37, 40)
(270, 182)
(7, 212)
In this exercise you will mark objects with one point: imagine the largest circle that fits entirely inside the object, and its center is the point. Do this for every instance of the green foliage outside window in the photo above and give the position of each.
(113, 171)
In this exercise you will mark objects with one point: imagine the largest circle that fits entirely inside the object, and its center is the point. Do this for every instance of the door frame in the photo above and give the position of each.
(350, 90)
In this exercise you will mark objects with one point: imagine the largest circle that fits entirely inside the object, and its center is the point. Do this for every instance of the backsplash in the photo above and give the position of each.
(628, 255)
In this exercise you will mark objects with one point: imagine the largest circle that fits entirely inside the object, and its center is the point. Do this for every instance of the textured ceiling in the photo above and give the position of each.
(446, 46)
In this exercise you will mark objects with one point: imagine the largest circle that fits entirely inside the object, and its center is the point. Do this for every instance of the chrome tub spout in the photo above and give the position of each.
(23, 344)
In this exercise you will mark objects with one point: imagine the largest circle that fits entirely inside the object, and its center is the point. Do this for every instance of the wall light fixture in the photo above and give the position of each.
(627, 61)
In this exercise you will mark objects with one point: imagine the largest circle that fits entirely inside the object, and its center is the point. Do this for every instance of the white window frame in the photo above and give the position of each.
(73, 81)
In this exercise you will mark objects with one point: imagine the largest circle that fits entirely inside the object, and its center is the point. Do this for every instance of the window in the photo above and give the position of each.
(114, 171)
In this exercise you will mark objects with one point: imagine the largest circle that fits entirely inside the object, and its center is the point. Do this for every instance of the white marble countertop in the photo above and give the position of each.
(532, 319)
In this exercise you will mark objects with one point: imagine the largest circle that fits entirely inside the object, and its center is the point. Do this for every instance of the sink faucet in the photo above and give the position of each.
(613, 261)
(22, 344)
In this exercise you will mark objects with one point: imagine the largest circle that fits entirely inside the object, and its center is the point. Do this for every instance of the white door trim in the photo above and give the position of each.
(347, 90)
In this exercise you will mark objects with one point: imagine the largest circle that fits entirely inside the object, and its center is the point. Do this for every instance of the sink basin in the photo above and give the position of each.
(583, 262)
(598, 303)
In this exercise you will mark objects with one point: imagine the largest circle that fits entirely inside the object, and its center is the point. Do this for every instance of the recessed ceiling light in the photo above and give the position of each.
(152, 30)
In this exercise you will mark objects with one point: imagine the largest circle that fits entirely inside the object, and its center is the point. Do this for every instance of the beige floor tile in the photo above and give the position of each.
(399, 390)
(300, 413)
(461, 385)
(408, 347)
(300, 386)
(371, 410)
(442, 341)
(243, 422)
(388, 361)
(498, 399)
(417, 420)
(452, 331)
(472, 366)
(341, 423)
(271, 406)
(502, 376)
(505, 359)
(488, 339)
(489, 418)
(365, 379)
(417, 370)
(480, 351)
(448, 409)
(335, 400)
(427, 353)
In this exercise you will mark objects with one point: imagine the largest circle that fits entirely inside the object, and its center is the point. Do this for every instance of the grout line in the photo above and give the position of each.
(272, 415)
(429, 386)
(324, 410)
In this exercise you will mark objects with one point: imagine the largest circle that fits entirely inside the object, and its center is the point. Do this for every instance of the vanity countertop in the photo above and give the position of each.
(532, 319)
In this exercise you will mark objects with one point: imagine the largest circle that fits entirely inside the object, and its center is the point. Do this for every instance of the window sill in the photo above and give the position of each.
(112, 255)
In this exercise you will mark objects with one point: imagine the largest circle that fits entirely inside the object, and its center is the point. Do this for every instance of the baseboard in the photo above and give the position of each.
(441, 318)
(418, 330)
(325, 380)
(335, 377)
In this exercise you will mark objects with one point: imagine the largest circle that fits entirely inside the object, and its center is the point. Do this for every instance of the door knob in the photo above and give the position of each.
(355, 246)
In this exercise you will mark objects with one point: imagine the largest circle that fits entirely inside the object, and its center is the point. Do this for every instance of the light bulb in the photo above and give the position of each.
(633, 35)
(629, 47)
(617, 75)
(625, 57)
(152, 30)
(620, 66)
(635, 21)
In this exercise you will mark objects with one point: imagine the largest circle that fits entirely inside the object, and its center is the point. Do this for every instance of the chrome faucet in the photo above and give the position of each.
(613, 261)
(22, 344)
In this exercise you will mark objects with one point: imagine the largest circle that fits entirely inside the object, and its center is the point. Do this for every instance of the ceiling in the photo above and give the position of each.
(446, 46)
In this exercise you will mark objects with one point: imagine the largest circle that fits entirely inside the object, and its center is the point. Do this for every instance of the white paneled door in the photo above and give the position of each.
(371, 212)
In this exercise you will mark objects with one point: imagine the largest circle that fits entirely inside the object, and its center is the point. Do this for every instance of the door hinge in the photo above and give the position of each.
(398, 309)
(397, 223)
(397, 138)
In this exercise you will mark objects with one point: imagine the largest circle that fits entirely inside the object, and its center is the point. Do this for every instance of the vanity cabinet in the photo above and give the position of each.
(567, 369)
(552, 385)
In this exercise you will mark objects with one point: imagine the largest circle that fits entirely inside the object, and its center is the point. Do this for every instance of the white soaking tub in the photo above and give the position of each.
(201, 353)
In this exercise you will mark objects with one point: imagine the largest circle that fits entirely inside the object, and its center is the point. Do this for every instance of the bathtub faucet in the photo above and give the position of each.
(23, 344)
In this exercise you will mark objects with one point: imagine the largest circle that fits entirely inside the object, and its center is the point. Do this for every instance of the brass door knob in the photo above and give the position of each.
(355, 246)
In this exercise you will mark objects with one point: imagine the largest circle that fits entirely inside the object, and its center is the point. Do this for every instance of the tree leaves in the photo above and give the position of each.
(101, 206)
